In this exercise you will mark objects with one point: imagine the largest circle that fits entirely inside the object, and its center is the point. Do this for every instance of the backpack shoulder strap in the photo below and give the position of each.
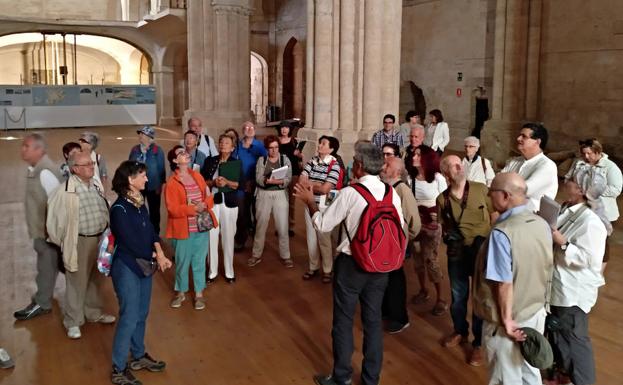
(482, 161)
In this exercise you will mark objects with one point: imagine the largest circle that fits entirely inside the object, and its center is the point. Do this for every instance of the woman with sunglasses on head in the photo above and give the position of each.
(137, 255)
(594, 160)
(427, 183)
(186, 195)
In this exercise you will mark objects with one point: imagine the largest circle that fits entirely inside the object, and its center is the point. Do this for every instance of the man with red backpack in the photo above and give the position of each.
(372, 244)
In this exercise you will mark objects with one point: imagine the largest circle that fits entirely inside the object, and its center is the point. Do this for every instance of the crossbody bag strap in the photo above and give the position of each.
(448, 206)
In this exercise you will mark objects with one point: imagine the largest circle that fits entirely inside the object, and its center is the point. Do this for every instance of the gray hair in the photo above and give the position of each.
(38, 139)
(90, 137)
(418, 127)
(472, 140)
(370, 157)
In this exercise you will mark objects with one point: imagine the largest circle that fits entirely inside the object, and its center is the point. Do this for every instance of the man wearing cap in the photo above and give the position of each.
(515, 258)
(539, 172)
(205, 143)
(43, 177)
(77, 216)
(579, 246)
(148, 152)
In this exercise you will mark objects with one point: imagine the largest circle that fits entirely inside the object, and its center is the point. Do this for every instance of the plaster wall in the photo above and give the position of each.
(66, 9)
(439, 39)
(581, 87)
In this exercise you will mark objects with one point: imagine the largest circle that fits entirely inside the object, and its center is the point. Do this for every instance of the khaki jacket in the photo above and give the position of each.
(63, 219)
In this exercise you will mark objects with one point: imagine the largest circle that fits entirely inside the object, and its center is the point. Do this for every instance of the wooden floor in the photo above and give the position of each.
(270, 327)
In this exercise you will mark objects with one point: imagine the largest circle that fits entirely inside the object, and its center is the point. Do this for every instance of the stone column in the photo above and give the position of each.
(351, 81)
(218, 63)
(515, 76)
(165, 96)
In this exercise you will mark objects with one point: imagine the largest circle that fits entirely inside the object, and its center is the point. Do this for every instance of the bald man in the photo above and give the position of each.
(465, 212)
(394, 301)
(516, 258)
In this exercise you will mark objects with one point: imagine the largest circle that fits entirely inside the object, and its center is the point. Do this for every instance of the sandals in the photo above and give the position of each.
(327, 278)
(253, 261)
(287, 262)
(440, 308)
(310, 274)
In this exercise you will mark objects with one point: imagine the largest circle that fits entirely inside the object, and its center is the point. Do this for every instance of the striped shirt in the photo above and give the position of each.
(318, 171)
(193, 195)
(381, 137)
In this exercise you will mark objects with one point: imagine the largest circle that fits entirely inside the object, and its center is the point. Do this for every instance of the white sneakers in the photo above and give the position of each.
(5, 360)
(74, 332)
(104, 319)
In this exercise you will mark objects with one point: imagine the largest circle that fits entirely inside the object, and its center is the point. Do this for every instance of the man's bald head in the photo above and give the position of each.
(508, 190)
(416, 136)
(452, 168)
(394, 168)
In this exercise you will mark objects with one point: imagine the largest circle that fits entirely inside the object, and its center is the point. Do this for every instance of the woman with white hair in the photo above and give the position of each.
(89, 141)
(477, 168)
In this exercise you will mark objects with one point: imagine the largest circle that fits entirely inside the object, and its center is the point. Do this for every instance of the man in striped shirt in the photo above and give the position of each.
(388, 134)
(322, 172)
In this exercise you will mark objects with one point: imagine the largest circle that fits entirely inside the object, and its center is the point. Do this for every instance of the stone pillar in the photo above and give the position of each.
(165, 96)
(351, 82)
(515, 76)
(218, 63)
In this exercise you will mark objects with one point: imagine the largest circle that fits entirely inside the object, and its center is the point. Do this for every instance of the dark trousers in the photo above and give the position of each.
(351, 284)
(48, 256)
(460, 269)
(395, 298)
(246, 215)
(153, 203)
(573, 350)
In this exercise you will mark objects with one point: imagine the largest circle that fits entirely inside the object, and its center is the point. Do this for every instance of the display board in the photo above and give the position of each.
(76, 106)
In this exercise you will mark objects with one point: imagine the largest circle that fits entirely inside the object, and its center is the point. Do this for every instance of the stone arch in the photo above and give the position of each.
(293, 101)
(259, 87)
(411, 98)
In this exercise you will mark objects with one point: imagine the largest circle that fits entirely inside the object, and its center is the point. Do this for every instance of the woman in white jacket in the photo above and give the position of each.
(477, 168)
(437, 132)
(594, 160)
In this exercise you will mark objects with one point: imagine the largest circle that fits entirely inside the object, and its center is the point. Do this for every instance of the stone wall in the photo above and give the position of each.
(581, 82)
(441, 38)
(64, 9)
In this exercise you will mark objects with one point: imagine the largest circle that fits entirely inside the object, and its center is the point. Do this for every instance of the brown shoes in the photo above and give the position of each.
(454, 339)
(477, 358)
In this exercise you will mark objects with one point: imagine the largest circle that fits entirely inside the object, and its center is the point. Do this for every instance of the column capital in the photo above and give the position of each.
(240, 7)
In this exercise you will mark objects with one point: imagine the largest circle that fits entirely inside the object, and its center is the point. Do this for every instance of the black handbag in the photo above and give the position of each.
(453, 237)
(148, 267)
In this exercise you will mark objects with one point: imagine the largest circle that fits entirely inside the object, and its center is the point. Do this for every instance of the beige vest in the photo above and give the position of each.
(36, 198)
(532, 266)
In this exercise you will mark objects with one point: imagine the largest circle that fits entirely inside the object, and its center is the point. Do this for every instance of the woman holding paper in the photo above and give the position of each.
(272, 174)
(222, 173)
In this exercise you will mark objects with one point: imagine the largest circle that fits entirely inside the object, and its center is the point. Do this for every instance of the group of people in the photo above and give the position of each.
(227, 190)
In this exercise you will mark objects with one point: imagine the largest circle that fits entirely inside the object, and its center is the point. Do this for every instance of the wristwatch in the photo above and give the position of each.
(564, 247)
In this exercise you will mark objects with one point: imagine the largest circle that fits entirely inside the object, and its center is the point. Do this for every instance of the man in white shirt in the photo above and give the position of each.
(351, 283)
(43, 177)
(579, 244)
(205, 143)
(539, 171)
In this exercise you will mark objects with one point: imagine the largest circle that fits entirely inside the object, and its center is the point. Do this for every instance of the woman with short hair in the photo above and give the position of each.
(89, 141)
(477, 168)
(272, 196)
(136, 257)
(186, 196)
(427, 183)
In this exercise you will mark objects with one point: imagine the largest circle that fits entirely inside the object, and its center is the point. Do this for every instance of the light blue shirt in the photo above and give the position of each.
(499, 258)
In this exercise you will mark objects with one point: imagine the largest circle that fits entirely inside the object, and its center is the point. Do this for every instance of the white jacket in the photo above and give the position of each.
(63, 220)
(614, 181)
(437, 137)
(540, 173)
(475, 173)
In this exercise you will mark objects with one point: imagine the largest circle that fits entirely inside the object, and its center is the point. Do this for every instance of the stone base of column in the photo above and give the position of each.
(168, 121)
(498, 140)
(216, 122)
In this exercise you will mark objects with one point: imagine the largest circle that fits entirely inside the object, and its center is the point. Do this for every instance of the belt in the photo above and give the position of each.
(91, 235)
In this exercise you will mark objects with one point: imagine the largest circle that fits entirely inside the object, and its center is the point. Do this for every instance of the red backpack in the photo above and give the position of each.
(340, 178)
(380, 243)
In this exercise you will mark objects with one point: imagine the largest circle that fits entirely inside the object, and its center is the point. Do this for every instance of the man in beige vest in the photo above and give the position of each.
(77, 216)
(511, 281)
(43, 177)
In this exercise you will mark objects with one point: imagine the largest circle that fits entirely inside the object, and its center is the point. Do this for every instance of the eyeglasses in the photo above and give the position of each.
(180, 152)
(388, 154)
(587, 142)
(388, 122)
(90, 164)
(273, 147)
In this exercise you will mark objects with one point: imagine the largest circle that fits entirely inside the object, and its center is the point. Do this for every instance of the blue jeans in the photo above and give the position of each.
(134, 295)
(460, 269)
(351, 285)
